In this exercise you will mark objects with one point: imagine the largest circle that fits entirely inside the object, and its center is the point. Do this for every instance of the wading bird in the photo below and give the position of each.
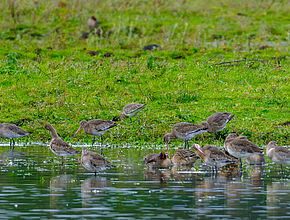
(184, 157)
(12, 131)
(278, 154)
(185, 131)
(96, 127)
(157, 160)
(240, 147)
(94, 162)
(218, 121)
(213, 156)
(131, 110)
(58, 146)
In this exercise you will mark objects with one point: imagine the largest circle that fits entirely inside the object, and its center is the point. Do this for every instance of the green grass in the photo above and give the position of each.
(47, 75)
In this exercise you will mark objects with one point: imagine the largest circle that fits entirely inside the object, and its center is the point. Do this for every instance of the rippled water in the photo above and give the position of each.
(33, 184)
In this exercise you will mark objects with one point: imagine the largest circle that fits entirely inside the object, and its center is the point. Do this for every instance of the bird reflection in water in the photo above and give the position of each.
(8, 157)
(60, 189)
(256, 174)
(153, 174)
(278, 199)
(90, 187)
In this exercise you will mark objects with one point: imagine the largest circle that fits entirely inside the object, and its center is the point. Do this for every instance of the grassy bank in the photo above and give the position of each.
(47, 74)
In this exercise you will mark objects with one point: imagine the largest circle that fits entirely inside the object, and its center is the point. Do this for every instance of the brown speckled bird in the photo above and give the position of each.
(94, 162)
(12, 131)
(185, 131)
(96, 127)
(278, 154)
(240, 147)
(131, 110)
(218, 121)
(184, 157)
(157, 160)
(58, 146)
(213, 156)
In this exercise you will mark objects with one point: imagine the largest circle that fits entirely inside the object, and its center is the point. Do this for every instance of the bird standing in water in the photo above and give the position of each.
(58, 146)
(12, 131)
(185, 131)
(96, 127)
(94, 162)
(213, 156)
(157, 160)
(240, 147)
(278, 154)
(183, 157)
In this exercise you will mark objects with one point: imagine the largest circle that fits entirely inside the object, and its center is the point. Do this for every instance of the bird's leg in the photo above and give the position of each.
(101, 147)
(185, 144)
(227, 131)
(95, 173)
(241, 163)
(138, 121)
(93, 142)
(10, 143)
(62, 160)
(282, 170)
(131, 120)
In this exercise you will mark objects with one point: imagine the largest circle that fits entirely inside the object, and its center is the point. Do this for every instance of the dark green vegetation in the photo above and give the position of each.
(47, 74)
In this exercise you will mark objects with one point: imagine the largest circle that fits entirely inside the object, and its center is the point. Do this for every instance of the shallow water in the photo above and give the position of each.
(33, 184)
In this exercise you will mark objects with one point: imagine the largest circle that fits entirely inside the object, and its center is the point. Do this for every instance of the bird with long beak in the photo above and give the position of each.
(213, 156)
(58, 146)
(96, 127)
(185, 131)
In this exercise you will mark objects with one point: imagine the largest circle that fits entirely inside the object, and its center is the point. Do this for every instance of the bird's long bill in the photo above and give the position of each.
(77, 131)
(167, 149)
(198, 149)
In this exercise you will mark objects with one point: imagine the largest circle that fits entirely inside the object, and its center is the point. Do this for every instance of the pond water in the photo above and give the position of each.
(34, 185)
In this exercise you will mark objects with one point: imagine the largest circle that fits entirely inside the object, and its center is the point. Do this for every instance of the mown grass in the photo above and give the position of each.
(47, 74)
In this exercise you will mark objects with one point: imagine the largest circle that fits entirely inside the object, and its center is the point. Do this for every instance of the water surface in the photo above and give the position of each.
(33, 184)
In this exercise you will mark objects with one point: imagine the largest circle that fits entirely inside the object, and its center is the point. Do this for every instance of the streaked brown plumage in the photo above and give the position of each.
(58, 146)
(12, 131)
(96, 127)
(157, 160)
(131, 110)
(278, 154)
(213, 156)
(240, 147)
(218, 121)
(94, 162)
(184, 157)
(185, 131)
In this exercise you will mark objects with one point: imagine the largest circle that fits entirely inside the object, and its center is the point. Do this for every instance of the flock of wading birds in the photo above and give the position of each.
(236, 147)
